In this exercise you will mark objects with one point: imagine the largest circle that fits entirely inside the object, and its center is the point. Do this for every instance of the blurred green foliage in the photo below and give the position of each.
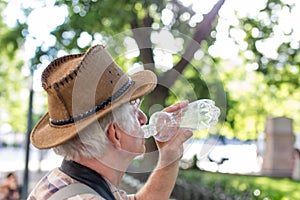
(12, 81)
(242, 186)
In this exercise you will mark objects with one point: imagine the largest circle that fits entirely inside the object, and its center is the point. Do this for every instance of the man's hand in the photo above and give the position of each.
(172, 150)
(161, 182)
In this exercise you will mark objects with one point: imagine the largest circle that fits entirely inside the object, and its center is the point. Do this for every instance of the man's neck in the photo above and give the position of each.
(111, 169)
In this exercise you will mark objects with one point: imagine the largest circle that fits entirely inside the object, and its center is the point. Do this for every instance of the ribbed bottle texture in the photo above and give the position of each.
(198, 115)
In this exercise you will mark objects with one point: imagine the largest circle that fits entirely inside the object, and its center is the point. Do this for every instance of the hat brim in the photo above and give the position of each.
(45, 135)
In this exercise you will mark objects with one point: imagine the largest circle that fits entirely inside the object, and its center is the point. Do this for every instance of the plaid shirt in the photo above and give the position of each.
(56, 179)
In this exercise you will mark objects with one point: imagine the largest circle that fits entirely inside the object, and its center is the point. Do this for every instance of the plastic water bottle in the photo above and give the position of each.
(198, 115)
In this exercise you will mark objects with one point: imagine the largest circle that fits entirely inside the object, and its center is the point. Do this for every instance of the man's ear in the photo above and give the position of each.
(114, 135)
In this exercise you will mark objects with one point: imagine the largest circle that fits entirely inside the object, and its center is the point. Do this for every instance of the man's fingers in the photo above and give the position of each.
(176, 106)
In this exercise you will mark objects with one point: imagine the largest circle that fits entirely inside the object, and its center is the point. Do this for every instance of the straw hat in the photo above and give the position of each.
(82, 88)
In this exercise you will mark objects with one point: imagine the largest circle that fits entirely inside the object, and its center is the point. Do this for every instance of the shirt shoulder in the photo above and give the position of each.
(56, 179)
(86, 197)
(49, 184)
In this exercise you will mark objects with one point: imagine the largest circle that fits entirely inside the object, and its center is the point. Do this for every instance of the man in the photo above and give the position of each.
(94, 121)
(10, 189)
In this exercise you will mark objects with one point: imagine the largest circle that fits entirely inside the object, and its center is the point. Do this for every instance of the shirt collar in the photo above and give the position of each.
(87, 176)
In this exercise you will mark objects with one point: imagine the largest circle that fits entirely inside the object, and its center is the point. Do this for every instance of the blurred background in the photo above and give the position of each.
(244, 55)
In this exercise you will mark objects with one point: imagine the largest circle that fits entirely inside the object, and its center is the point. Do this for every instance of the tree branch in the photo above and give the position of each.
(202, 30)
(142, 37)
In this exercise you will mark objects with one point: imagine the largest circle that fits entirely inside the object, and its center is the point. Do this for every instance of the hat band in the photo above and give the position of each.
(95, 109)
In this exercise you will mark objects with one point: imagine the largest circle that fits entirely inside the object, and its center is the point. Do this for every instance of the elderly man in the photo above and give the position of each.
(94, 121)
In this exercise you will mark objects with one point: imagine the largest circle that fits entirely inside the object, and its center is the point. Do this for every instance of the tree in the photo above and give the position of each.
(263, 78)
(12, 93)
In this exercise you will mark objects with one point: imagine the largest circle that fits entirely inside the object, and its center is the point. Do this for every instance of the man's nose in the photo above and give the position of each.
(142, 117)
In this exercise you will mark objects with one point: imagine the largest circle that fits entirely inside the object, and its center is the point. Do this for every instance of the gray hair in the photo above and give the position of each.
(92, 141)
